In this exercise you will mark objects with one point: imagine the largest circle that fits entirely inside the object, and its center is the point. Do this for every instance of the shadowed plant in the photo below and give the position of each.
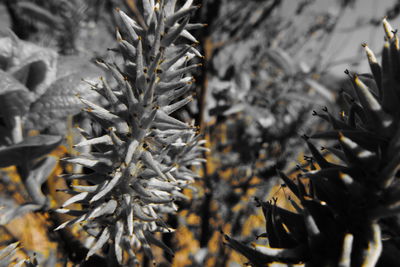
(346, 212)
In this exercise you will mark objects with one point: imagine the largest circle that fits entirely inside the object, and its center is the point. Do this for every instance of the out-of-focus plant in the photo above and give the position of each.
(39, 86)
(38, 90)
(24, 78)
(346, 213)
(7, 257)
(260, 81)
(63, 25)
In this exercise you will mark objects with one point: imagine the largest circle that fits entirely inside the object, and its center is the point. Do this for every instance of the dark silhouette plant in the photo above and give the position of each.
(346, 212)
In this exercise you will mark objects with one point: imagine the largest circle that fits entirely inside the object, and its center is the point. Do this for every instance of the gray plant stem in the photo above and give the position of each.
(24, 171)
(31, 184)
(16, 133)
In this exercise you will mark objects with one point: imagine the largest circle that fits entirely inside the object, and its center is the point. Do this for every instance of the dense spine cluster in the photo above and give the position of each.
(347, 210)
(141, 155)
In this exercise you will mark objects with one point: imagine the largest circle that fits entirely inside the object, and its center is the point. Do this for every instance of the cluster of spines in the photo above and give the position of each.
(142, 155)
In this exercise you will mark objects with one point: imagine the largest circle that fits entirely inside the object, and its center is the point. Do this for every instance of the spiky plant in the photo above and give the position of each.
(7, 257)
(347, 212)
(142, 155)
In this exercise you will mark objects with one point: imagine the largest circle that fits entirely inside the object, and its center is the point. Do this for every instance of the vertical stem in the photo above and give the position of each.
(30, 184)
(16, 132)
(202, 100)
(207, 48)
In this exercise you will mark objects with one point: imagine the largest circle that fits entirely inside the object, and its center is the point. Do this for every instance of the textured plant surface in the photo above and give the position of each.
(345, 213)
(141, 155)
